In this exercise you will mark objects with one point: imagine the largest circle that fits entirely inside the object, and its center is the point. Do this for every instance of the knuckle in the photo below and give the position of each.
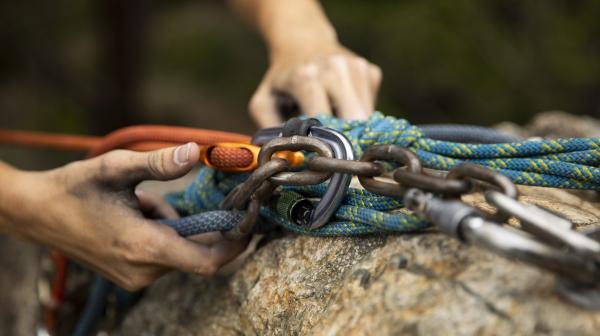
(375, 73)
(361, 62)
(136, 251)
(307, 72)
(255, 104)
(337, 59)
(209, 269)
(110, 165)
(156, 163)
(135, 281)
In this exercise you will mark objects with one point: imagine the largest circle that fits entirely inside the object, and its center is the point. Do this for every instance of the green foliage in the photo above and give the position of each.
(461, 61)
(477, 61)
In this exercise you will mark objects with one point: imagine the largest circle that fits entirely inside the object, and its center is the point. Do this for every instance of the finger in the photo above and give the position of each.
(308, 91)
(183, 254)
(263, 108)
(359, 72)
(208, 238)
(154, 206)
(375, 77)
(343, 94)
(125, 168)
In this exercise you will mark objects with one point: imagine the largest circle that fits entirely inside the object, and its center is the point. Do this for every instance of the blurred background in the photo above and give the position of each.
(93, 66)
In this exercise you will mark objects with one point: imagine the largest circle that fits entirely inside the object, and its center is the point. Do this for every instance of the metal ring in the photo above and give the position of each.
(296, 143)
(245, 226)
(480, 173)
(239, 196)
(389, 153)
(432, 183)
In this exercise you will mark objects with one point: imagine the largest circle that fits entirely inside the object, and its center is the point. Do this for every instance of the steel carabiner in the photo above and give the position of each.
(339, 182)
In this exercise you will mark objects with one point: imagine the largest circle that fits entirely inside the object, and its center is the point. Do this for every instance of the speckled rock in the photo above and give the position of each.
(424, 283)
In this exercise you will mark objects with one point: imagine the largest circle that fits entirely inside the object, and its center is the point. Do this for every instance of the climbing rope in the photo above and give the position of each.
(561, 163)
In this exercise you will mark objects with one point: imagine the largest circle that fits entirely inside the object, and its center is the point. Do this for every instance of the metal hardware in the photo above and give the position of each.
(435, 184)
(239, 196)
(245, 227)
(545, 225)
(250, 195)
(481, 173)
(544, 239)
(339, 182)
(393, 153)
(358, 168)
(295, 143)
(586, 295)
(294, 158)
(515, 244)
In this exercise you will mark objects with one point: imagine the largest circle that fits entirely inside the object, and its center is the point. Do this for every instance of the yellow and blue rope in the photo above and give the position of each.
(561, 163)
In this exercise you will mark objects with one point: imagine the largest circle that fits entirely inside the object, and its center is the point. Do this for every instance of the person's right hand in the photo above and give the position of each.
(89, 210)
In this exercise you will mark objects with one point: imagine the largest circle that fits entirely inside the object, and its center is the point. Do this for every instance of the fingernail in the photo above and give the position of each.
(181, 156)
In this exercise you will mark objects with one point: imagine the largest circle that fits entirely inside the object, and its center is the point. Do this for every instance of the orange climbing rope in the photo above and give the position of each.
(237, 155)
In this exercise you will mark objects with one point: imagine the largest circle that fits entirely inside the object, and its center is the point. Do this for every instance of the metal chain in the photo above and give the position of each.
(544, 239)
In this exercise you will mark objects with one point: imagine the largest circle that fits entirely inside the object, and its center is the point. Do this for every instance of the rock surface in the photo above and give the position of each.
(424, 283)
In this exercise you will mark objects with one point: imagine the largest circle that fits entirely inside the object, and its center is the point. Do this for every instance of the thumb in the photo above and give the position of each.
(127, 167)
(168, 163)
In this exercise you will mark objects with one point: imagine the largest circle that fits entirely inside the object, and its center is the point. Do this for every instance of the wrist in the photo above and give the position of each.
(24, 201)
(301, 40)
(11, 199)
(293, 26)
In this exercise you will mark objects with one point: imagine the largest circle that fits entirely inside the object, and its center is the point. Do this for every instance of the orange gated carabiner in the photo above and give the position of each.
(235, 157)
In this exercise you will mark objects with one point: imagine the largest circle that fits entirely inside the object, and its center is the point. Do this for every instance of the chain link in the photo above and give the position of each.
(546, 240)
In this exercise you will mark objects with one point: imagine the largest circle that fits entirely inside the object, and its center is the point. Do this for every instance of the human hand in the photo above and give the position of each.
(89, 210)
(322, 78)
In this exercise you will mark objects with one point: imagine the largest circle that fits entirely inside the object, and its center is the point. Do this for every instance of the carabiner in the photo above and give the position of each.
(545, 225)
(336, 189)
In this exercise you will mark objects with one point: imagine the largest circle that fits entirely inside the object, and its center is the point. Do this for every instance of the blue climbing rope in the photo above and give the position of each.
(561, 163)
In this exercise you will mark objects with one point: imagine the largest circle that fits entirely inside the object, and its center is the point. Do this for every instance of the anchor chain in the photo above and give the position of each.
(543, 238)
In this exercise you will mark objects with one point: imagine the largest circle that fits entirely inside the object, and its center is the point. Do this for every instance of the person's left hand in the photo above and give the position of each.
(323, 78)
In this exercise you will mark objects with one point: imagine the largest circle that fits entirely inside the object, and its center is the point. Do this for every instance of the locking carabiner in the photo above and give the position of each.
(235, 157)
(336, 189)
